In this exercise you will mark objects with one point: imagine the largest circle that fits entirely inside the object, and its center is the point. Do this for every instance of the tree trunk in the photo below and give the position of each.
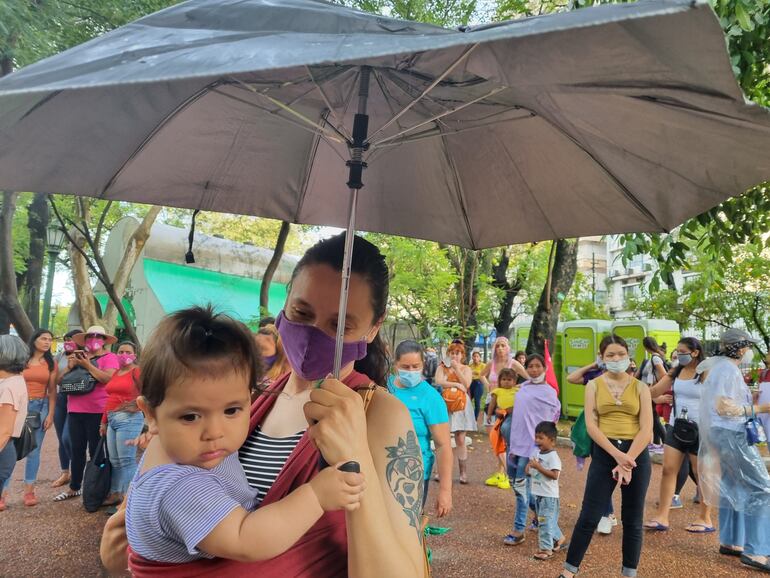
(469, 294)
(32, 279)
(562, 277)
(9, 294)
(267, 278)
(510, 290)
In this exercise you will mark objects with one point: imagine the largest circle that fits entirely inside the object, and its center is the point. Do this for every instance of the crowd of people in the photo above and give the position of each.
(256, 460)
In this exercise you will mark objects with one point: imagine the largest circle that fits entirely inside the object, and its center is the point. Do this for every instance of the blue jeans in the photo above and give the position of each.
(33, 458)
(521, 487)
(121, 427)
(62, 431)
(744, 506)
(7, 463)
(476, 392)
(505, 431)
(548, 530)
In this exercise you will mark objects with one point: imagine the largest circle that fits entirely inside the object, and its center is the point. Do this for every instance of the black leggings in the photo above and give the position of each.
(84, 432)
(599, 487)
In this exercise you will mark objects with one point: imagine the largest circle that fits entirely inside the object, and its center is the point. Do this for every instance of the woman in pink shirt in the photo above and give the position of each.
(85, 411)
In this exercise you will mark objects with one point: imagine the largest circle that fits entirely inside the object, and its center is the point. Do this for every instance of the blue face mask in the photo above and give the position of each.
(409, 378)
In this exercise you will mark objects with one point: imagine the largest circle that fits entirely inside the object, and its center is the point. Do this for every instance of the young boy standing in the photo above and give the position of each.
(544, 469)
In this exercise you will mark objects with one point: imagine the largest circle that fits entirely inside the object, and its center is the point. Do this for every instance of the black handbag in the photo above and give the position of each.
(77, 382)
(33, 420)
(25, 443)
(685, 430)
(97, 477)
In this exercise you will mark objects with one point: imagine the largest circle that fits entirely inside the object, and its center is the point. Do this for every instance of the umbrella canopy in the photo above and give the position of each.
(605, 120)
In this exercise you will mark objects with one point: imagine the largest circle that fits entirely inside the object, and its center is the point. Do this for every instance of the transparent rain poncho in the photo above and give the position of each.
(731, 473)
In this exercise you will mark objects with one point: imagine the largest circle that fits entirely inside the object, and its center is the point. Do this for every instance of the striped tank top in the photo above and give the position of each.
(263, 458)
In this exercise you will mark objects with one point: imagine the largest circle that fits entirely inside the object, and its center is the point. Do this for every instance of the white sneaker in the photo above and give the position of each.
(605, 525)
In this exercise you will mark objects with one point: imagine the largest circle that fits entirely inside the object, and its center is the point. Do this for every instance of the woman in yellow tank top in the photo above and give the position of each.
(618, 413)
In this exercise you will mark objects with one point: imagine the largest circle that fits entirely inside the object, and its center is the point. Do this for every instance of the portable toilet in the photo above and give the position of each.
(580, 345)
(557, 356)
(634, 331)
(520, 336)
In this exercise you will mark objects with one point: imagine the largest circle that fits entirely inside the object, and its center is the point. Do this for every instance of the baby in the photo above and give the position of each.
(190, 498)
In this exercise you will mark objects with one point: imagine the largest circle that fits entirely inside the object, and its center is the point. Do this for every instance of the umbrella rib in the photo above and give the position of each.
(165, 120)
(436, 133)
(425, 92)
(306, 179)
(439, 116)
(290, 110)
(460, 195)
(627, 193)
(275, 114)
(341, 125)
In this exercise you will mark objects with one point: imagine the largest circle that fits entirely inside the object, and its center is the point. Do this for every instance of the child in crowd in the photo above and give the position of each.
(501, 406)
(544, 469)
(190, 498)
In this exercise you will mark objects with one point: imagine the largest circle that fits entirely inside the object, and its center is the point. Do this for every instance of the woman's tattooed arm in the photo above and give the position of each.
(405, 475)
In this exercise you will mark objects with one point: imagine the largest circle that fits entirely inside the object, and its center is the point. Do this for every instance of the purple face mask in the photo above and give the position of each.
(311, 352)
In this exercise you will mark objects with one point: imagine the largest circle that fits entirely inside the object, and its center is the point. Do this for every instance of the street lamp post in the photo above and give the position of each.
(55, 241)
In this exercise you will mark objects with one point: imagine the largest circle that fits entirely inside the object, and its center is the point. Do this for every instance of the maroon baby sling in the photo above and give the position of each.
(321, 553)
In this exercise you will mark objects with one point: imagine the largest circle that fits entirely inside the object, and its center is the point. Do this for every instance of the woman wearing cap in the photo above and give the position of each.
(60, 415)
(732, 473)
(85, 411)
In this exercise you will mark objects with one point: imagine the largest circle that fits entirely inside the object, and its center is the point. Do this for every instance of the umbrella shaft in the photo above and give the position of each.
(357, 166)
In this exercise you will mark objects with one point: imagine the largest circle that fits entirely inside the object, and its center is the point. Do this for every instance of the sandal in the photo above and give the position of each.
(68, 496)
(61, 480)
(704, 529)
(511, 540)
(762, 567)
(543, 555)
(563, 547)
(727, 551)
(655, 526)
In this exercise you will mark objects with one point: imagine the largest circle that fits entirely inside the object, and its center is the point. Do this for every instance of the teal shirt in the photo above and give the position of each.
(427, 408)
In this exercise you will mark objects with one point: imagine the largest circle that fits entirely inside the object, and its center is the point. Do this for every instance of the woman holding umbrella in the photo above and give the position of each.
(350, 419)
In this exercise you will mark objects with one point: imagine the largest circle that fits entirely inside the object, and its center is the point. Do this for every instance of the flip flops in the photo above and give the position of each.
(511, 540)
(543, 555)
(563, 547)
(726, 551)
(67, 496)
(655, 526)
(746, 561)
(704, 529)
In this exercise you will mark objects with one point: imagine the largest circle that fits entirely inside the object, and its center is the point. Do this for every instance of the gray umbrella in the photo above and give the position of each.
(605, 120)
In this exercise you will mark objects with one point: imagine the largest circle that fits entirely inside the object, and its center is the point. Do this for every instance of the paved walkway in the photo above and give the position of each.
(62, 540)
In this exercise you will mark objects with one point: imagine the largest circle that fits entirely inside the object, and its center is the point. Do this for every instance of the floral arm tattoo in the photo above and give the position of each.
(405, 473)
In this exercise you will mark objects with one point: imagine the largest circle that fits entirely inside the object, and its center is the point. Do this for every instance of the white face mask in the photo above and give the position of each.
(619, 366)
(748, 357)
(539, 379)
